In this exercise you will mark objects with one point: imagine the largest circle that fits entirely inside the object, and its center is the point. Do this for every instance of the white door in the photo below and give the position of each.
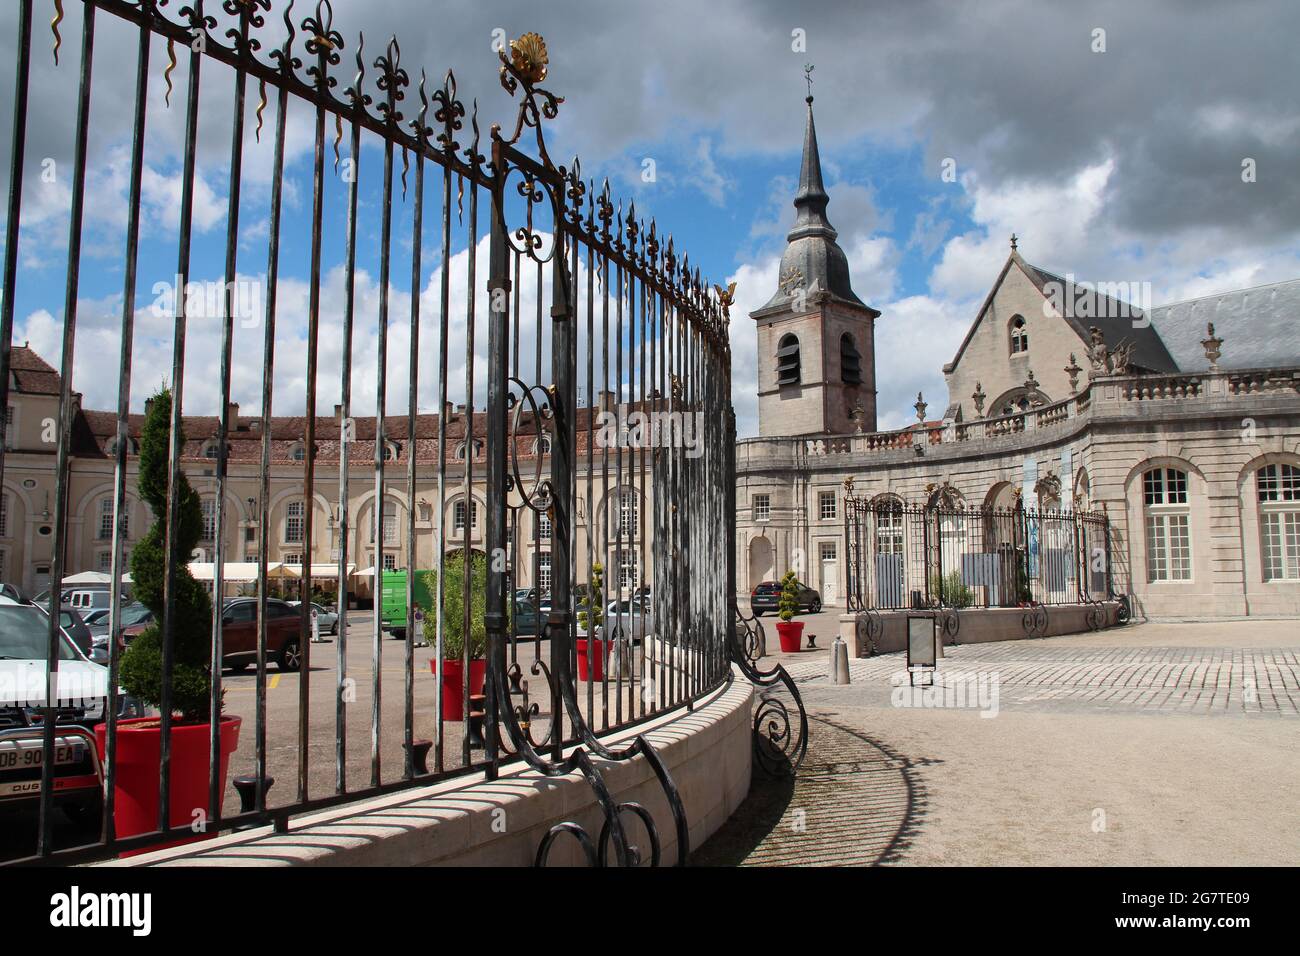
(830, 574)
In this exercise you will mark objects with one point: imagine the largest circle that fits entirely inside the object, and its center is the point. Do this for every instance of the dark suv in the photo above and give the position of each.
(284, 635)
(767, 596)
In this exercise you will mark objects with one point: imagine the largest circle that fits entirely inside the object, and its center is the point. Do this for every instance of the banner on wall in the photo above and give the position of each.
(1029, 495)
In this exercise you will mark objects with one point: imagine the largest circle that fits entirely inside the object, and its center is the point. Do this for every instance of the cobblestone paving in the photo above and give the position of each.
(1196, 680)
(854, 802)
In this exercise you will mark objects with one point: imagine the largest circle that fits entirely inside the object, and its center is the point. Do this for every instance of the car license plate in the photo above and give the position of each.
(25, 754)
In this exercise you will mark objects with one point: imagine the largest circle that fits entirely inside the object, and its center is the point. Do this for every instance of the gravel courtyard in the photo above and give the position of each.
(1173, 744)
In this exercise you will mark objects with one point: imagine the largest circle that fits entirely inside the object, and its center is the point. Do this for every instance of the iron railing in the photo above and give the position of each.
(911, 556)
(582, 297)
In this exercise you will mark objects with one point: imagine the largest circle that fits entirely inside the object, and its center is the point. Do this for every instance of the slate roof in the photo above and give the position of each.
(1260, 327)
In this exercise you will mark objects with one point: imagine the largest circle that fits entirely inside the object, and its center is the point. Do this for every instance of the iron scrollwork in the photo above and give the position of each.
(779, 746)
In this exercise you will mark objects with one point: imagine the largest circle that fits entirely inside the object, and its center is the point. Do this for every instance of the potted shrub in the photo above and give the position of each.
(789, 631)
(592, 620)
(453, 631)
(139, 740)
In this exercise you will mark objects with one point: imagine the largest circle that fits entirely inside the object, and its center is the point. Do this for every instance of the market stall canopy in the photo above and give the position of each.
(319, 570)
(88, 577)
(238, 572)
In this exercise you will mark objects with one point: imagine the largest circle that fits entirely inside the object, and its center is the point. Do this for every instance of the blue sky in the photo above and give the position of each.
(1118, 164)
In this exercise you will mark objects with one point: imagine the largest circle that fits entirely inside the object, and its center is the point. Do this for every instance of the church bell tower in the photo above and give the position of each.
(816, 338)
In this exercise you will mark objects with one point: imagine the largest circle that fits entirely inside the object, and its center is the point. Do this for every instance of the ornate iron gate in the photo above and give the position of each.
(615, 443)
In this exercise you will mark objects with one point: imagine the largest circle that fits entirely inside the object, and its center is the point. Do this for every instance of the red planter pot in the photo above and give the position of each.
(137, 780)
(599, 654)
(453, 680)
(791, 635)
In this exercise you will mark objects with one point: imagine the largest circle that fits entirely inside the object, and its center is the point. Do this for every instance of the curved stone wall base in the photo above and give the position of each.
(473, 822)
(977, 626)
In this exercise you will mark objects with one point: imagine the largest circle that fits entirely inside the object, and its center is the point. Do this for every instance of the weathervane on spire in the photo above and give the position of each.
(807, 75)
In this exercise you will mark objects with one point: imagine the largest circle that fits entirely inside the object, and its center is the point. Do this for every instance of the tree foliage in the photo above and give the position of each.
(142, 670)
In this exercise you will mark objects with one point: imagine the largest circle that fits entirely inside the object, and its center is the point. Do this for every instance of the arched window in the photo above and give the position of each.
(1169, 541)
(850, 361)
(1278, 488)
(212, 450)
(476, 450)
(392, 451)
(542, 446)
(209, 519)
(1019, 335)
(787, 360)
(298, 452)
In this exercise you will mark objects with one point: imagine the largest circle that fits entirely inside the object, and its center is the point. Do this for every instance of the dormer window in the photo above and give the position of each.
(787, 361)
(212, 450)
(298, 452)
(850, 361)
(1019, 335)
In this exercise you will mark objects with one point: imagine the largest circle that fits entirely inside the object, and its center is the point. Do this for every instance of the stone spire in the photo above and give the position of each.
(813, 260)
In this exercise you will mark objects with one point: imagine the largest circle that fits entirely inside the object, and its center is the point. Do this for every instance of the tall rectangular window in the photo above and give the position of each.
(106, 519)
(627, 517)
(627, 575)
(826, 505)
(544, 526)
(1278, 488)
(209, 519)
(4, 516)
(294, 520)
(458, 516)
(762, 507)
(544, 571)
(9, 427)
(1168, 525)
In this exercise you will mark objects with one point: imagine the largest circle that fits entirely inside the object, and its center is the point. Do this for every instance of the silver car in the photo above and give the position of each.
(327, 621)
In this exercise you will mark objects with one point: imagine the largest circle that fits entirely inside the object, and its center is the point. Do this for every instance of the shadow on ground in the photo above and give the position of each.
(855, 802)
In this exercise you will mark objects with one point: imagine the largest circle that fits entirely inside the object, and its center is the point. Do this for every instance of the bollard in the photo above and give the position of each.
(839, 673)
(420, 755)
(246, 787)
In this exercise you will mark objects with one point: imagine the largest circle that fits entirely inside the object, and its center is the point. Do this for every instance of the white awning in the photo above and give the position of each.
(238, 572)
(320, 570)
(88, 577)
(367, 573)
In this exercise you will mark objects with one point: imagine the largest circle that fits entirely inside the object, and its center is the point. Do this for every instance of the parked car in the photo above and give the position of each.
(135, 619)
(14, 593)
(96, 617)
(284, 635)
(767, 596)
(327, 619)
(628, 620)
(82, 688)
(75, 628)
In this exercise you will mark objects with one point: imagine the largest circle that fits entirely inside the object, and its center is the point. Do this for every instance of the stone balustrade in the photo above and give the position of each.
(1102, 397)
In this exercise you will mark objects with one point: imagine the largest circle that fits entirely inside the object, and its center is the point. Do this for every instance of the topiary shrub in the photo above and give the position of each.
(788, 605)
(593, 616)
(453, 607)
(141, 669)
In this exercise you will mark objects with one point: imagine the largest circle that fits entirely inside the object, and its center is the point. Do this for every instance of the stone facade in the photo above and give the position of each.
(1063, 396)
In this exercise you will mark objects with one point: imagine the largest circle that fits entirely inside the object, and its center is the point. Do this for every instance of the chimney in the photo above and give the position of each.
(606, 402)
(449, 411)
(338, 413)
(233, 415)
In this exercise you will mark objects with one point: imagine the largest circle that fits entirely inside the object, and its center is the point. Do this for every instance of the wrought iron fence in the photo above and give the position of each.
(909, 556)
(580, 296)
